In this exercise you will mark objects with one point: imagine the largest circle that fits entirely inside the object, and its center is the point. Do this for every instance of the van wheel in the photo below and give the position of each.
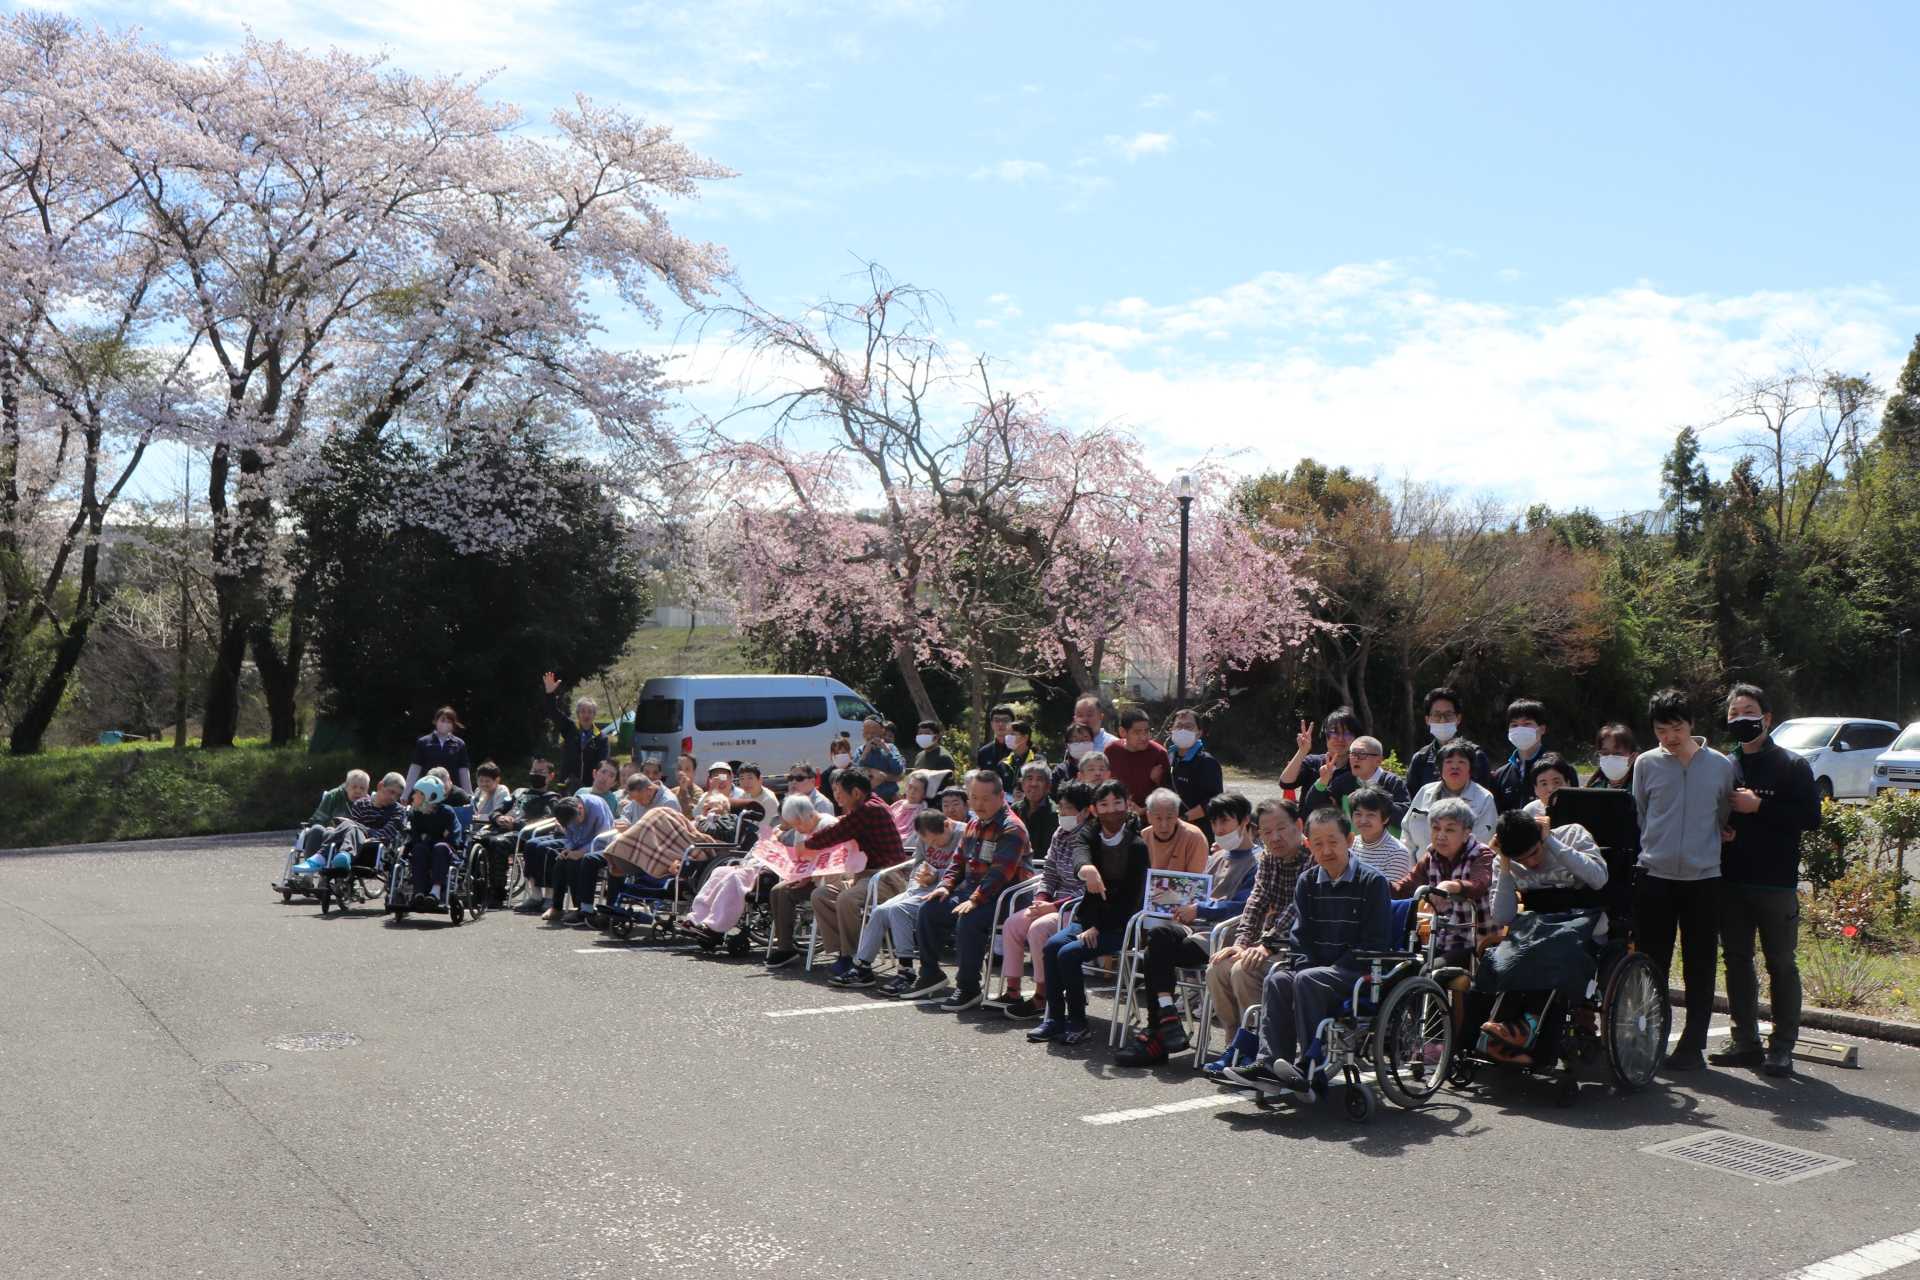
(1826, 788)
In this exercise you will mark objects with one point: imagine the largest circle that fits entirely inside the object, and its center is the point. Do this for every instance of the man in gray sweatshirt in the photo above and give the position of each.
(1684, 791)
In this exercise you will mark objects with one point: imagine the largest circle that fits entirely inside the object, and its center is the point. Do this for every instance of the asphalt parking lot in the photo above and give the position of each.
(203, 1081)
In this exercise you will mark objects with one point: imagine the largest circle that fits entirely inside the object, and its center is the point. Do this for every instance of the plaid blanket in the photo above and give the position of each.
(655, 845)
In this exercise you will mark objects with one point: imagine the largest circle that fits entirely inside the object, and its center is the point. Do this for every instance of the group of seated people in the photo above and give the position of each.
(929, 849)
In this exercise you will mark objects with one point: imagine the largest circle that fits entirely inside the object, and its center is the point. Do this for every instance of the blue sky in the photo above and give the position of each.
(1502, 247)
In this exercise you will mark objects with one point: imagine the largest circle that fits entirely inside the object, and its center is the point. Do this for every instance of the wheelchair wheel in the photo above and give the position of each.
(1412, 1042)
(325, 896)
(455, 911)
(1635, 1019)
(286, 895)
(1360, 1101)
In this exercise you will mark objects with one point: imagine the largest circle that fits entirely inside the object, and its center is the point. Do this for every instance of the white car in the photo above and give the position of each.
(1898, 768)
(772, 720)
(1842, 752)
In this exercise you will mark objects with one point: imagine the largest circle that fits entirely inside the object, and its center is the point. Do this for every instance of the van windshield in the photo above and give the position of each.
(1908, 741)
(658, 715)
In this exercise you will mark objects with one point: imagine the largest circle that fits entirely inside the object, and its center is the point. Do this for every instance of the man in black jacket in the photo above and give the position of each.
(1775, 802)
(582, 745)
(1443, 725)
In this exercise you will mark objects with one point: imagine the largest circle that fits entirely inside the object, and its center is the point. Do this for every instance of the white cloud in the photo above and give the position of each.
(1154, 101)
(1571, 403)
(1140, 144)
(1011, 171)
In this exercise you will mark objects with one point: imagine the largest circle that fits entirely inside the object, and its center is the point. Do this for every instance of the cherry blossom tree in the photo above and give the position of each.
(913, 478)
(83, 385)
(354, 248)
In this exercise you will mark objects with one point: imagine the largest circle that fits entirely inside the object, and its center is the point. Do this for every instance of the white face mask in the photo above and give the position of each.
(1615, 767)
(1078, 749)
(1185, 738)
(1069, 821)
(1523, 737)
(1228, 842)
(842, 760)
(1443, 730)
(925, 740)
(1009, 741)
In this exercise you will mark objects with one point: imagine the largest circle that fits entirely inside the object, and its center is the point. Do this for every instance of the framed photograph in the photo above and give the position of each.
(1167, 890)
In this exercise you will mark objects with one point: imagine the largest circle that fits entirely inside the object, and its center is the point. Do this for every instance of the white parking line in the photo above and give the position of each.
(1868, 1260)
(1165, 1109)
(851, 1008)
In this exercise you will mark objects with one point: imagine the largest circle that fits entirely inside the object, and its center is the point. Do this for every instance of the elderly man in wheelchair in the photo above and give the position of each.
(1352, 989)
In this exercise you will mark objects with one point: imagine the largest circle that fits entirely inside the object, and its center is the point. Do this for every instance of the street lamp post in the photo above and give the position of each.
(1185, 489)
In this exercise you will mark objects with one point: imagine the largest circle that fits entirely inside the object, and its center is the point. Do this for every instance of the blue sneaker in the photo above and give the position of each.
(1242, 1049)
(1047, 1030)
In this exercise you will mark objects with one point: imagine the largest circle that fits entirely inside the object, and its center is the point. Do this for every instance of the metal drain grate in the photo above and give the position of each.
(1752, 1158)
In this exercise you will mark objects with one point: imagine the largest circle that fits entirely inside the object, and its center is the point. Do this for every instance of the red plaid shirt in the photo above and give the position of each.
(870, 826)
(990, 855)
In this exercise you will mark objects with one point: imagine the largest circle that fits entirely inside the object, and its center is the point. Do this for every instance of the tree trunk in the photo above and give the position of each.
(1362, 704)
(30, 730)
(904, 662)
(221, 718)
(977, 706)
(279, 680)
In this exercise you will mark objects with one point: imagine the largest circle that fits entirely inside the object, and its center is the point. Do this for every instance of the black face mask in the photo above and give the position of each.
(539, 781)
(1746, 728)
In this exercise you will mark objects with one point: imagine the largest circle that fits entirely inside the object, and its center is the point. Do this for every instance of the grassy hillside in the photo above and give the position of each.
(79, 795)
(675, 651)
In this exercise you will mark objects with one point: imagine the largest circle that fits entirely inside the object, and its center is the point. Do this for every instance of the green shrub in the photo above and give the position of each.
(82, 795)
(1843, 975)
(1830, 848)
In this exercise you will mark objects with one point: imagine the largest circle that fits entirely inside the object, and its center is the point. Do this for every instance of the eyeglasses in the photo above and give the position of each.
(1365, 755)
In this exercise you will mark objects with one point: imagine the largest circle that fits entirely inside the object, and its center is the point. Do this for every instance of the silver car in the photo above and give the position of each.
(1898, 768)
(1842, 752)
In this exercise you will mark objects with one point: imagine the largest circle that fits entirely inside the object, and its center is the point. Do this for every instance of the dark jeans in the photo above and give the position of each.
(577, 876)
(1295, 1001)
(1170, 948)
(1693, 907)
(1774, 914)
(538, 854)
(972, 932)
(430, 864)
(1062, 960)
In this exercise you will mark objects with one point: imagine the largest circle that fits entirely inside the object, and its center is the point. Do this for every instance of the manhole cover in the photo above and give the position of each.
(234, 1068)
(314, 1042)
(1744, 1157)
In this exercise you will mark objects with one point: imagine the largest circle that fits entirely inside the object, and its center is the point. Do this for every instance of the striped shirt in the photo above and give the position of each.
(1058, 883)
(1386, 855)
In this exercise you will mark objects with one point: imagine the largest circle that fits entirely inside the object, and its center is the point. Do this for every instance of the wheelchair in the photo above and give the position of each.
(353, 867)
(1622, 1015)
(1397, 1020)
(465, 893)
(636, 901)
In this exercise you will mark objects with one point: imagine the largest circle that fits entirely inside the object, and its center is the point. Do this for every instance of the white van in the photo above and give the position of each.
(771, 721)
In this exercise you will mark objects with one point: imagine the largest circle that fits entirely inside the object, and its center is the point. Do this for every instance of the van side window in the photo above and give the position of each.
(1870, 737)
(658, 715)
(848, 707)
(719, 714)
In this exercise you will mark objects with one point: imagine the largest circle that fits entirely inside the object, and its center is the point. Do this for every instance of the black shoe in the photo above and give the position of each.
(781, 959)
(1173, 1036)
(926, 984)
(1267, 1077)
(1023, 1009)
(961, 1001)
(1685, 1060)
(899, 985)
(531, 907)
(1778, 1064)
(861, 975)
(575, 916)
(1731, 1057)
(1145, 1051)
